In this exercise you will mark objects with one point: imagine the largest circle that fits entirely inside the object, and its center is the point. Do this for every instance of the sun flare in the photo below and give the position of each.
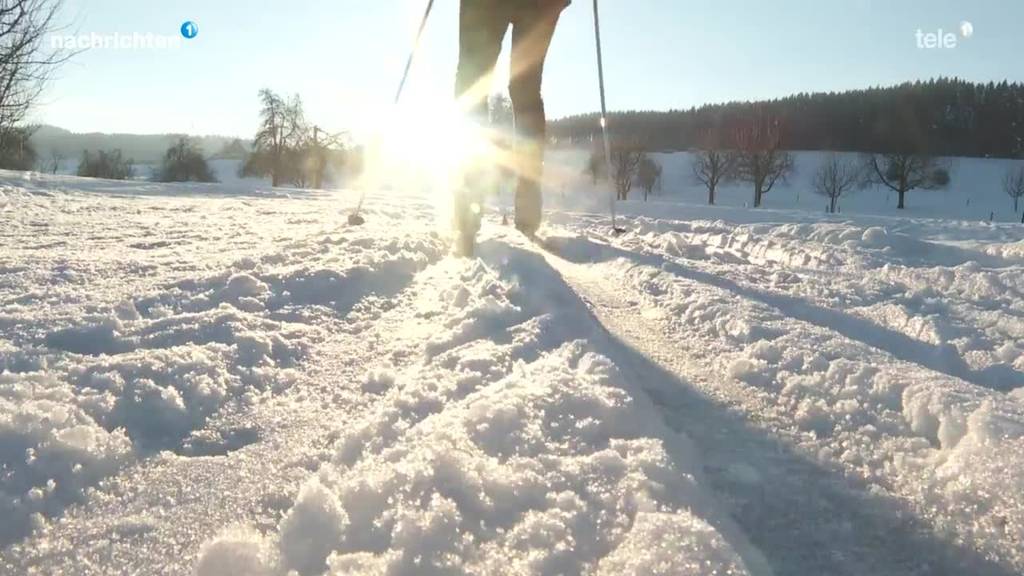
(429, 147)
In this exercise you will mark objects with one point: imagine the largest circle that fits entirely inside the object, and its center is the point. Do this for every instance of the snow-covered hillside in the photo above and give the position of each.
(223, 379)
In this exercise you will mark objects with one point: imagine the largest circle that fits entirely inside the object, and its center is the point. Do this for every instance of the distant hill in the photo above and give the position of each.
(143, 148)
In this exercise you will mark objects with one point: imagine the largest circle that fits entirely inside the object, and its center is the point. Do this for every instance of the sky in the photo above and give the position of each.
(345, 57)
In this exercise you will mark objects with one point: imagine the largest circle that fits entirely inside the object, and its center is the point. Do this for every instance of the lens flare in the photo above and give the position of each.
(427, 148)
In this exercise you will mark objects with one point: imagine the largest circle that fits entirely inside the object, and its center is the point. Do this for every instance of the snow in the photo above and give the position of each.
(236, 551)
(975, 192)
(227, 379)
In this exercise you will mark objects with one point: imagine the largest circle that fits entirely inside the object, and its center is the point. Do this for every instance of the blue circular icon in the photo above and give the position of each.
(189, 29)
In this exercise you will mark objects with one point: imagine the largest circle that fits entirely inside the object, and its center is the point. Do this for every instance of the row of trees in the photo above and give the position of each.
(182, 162)
(834, 178)
(900, 173)
(111, 164)
(752, 151)
(943, 117)
(288, 148)
(631, 166)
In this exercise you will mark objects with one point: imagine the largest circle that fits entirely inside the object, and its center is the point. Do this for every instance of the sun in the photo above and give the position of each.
(427, 146)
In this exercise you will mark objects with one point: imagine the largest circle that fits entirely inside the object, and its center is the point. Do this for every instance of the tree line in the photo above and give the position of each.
(287, 148)
(939, 117)
(750, 143)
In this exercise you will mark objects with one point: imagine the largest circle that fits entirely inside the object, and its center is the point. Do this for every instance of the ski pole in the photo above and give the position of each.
(355, 218)
(604, 110)
(415, 49)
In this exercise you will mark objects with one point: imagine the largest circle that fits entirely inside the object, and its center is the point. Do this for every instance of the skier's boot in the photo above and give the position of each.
(469, 208)
(467, 221)
(528, 189)
(528, 208)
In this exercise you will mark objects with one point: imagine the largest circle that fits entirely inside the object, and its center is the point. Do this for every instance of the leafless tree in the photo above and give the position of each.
(713, 163)
(109, 164)
(184, 162)
(324, 149)
(282, 132)
(648, 175)
(761, 160)
(835, 178)
(596, 166)
(626, 160)
(54, 161)
(27, 62)
(1013, 184)
(903, 171)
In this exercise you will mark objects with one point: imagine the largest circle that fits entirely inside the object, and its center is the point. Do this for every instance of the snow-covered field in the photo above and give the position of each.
(221, 379)
(975, 191)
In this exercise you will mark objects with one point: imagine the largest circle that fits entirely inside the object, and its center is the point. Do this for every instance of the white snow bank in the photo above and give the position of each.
(51, 450)
(909, 388)
(506, 450)
(976, 475)
(126, 323)
(112, 391)
(555, 469)
(237, 551)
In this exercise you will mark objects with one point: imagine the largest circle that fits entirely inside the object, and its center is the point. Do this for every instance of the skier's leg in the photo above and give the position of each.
(482, 27)
(531, 36)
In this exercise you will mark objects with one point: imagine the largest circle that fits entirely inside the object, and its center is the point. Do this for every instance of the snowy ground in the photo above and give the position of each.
(224, 380)
(975, 192)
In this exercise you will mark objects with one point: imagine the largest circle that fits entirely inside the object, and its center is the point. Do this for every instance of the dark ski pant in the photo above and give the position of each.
(482, 28)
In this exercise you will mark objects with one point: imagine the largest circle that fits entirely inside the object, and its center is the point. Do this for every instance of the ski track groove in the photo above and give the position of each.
(863, 533)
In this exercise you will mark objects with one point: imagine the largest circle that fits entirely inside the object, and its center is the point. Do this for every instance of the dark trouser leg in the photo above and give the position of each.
(531, 36)
(482, 27)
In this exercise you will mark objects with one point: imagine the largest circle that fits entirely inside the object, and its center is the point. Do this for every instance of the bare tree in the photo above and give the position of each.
(904, 171)
(711, 167)
(835, 178)
(282, 132)
(26, 61)
(297, 143)
(54, 161)
(109, 164)
(1013, 184)
(761, 160)
(499, 111)
(502, 122)
(269, 144)
(596, 166)
(184, 162)
(625, 163)
(648, 175)
(325, 149)
(713, 162)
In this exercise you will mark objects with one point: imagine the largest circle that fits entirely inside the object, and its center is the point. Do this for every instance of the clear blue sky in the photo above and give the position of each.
(344, 57)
